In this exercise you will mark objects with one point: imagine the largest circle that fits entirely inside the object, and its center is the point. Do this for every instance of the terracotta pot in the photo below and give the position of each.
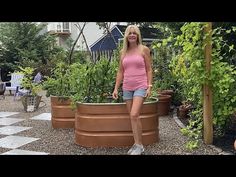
(182, 113)
(109, 125)
(62, 114)
(166, 92)
(163, 105)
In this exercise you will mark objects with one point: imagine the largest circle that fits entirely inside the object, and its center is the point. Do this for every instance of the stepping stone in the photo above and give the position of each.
(23, 152)
(9, 121)
(43, 116)
(13, 142)
(9, 130)
(5, 114)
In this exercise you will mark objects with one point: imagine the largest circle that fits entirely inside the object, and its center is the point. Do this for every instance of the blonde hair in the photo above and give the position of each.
(127, 31)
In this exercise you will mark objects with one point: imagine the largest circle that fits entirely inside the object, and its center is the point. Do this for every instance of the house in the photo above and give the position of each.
(70, 30)
(106, 42)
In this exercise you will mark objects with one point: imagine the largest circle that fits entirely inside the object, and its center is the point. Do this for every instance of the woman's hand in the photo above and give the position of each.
(115, 94)
(148, 92)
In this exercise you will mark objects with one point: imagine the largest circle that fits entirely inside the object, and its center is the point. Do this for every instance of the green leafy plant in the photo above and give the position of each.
(162, 75)
(97, 81)
(27, 81)
(63, 80)
(189, 70)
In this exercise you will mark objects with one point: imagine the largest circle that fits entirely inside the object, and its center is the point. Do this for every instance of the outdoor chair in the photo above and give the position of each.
(20, 92)
(15, 82)
(2, 89)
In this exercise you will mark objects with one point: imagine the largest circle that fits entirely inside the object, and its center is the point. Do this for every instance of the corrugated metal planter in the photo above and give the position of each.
(109, 125)
(62, 114)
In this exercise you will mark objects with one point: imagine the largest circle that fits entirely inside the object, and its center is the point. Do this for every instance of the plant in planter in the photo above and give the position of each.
(31, 98)
(162, 76)
(164, 82)
(184, 109)
(101, 121)
(60, 86)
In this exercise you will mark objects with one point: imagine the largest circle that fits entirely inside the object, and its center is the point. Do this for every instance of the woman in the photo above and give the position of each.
(136, 73)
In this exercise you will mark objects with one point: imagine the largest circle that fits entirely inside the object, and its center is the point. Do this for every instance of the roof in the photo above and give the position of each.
(146, 32)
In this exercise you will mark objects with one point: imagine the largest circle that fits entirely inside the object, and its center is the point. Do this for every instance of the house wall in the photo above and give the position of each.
(91, 32)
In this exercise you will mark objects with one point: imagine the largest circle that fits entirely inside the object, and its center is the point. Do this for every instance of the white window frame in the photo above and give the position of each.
(60, 27)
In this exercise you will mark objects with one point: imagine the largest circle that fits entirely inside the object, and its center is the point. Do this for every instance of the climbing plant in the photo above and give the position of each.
(189, 69)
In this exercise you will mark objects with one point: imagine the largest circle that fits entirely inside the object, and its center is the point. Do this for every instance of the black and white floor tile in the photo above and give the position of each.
(10, 140)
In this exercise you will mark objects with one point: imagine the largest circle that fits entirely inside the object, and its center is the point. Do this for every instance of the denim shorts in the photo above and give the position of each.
(128, 95)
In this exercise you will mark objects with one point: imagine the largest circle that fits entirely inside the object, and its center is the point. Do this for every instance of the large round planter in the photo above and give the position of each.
(109, 125)
(63, 116)
(164, 105)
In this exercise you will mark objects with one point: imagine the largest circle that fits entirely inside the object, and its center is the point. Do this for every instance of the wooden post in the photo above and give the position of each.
(207, 91)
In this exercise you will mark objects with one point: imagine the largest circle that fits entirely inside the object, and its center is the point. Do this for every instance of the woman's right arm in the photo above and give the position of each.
(119, 78)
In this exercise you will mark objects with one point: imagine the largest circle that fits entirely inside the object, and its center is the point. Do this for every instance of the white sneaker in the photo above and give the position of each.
(131, 149)
(138, 150)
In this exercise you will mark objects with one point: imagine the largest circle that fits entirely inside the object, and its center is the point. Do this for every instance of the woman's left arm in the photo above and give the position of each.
(148, 63)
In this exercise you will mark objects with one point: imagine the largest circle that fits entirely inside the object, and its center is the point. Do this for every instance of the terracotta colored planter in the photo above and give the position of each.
(164, 105)
(62, 114)
(182, 113)
(166, 92)
(109, 125)
(235, 145)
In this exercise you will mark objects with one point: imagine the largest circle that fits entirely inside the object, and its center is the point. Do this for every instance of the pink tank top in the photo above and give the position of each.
(135, 76)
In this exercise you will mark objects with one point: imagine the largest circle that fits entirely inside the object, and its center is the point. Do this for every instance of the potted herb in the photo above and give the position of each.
(31, 99)
(60, 86)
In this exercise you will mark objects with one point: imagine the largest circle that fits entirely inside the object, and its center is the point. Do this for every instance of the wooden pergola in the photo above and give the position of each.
(207, 90)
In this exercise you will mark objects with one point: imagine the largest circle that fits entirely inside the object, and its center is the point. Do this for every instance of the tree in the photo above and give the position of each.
(23, 43)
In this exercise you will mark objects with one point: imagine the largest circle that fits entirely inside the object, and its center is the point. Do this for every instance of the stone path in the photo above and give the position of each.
(32, 134)
(13, 142)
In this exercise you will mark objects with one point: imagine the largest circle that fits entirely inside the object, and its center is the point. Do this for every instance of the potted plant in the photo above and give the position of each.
(31, 99)
(184, 109)
(60, 86)
(162, 76)
(104, 122)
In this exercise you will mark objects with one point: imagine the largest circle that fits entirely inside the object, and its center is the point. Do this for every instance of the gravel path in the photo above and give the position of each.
(61, 141)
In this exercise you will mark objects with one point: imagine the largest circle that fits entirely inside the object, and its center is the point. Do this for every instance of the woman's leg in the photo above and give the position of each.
(129, 104)
(135, 119)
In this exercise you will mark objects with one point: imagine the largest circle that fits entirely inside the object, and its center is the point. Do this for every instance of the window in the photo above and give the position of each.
(66, 27)
(63, 27)
(58, 28)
